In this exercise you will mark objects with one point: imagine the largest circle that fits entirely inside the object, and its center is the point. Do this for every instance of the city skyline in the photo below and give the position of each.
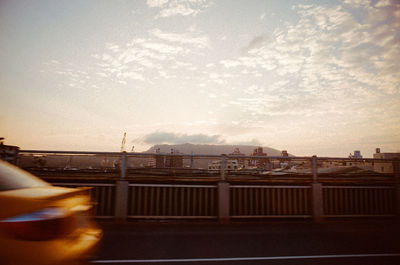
(310, 77)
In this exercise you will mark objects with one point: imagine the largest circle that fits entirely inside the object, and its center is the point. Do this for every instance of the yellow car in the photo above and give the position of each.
(43, 224)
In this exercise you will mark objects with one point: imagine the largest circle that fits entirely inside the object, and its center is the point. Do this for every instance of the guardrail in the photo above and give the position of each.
(356, 201)
(225, 200)
(103, 196)
(163, 201)
(270, 201)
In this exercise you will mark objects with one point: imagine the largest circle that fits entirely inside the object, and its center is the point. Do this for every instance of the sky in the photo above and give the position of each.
(311, 77)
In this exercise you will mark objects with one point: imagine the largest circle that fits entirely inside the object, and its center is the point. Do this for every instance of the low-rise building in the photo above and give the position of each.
(231, 164)
(174, 160)
(236, 153)
(384, 166)
(358, 161)
(261, 163)
(8, 153)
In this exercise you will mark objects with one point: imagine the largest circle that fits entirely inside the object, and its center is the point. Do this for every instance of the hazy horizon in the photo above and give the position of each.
(310, 77)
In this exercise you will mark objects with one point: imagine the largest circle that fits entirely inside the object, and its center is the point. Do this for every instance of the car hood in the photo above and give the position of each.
(14, 202)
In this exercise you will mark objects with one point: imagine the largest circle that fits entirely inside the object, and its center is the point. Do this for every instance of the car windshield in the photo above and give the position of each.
(12, 177)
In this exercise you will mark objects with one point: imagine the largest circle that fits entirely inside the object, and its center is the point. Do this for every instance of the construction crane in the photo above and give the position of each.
(123, 142)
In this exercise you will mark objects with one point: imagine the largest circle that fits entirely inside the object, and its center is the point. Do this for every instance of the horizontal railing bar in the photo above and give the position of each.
(112, 153)
(172, 186)
(171, 217)
(270, 187)
(359, 215)
(201, 156)
(358, 187)
(270, 216)
(84, 184)
(69, 152)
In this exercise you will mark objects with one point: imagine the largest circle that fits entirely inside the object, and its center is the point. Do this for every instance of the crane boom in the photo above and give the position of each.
(123, 142)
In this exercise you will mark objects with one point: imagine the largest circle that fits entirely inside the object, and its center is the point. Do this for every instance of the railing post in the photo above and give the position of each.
(223, 202)
(396, 172)
(123, 165)
(121, 200)
(121, 193)
(223, 166)
(317, 195)
(314, 168)
(191, 160)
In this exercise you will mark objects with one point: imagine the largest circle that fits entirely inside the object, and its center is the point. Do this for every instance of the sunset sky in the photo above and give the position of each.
(313, 77)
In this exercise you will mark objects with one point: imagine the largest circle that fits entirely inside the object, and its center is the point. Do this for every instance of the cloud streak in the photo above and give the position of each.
(197, 41)
(176, 138)
(169, 8)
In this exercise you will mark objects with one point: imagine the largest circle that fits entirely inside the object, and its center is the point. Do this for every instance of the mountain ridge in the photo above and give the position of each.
(211, 149)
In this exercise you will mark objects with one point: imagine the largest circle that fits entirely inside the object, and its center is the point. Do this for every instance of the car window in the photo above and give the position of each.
(12, 177)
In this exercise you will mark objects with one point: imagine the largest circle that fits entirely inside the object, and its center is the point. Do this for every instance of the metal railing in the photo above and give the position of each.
(312, 196)
(270, 201)
(163, 201)
(358, 201)
(126, 163)
(103, 196)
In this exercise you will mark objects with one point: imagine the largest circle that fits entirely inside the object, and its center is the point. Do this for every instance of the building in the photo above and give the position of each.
(236, 153)
(357, 155)
(262, 163)
(231, 164)
(383, 166)
(358, 161)
(8, 153)
(174, 160)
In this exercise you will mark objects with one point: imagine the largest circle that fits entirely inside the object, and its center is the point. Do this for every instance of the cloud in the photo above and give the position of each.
(190, 39)
(228, 63)
(329, 55)
(176, 138)
(168, 8)
(141, 56)
(156, 3)
(253, 141)
(160, 52)
(256, 42)
(163, 48)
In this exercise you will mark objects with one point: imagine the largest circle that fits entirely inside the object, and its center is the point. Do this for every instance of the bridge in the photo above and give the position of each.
(130, 189)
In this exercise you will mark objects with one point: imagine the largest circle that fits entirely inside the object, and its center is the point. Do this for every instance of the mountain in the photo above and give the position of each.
(207, 149)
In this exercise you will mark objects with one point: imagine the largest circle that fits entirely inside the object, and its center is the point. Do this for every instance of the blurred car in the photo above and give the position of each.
(41, 223)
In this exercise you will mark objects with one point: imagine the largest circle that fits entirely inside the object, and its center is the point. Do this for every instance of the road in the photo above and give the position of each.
(365, 242)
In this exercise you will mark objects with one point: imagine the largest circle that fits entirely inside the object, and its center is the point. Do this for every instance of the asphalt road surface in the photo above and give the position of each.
(345, 242)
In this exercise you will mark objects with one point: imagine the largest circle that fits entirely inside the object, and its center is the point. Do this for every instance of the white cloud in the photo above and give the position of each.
(383, 3)
(164, 48)
(197, 41)
(161, 51)
(179, 7)
(329, 48)
(156, 3)
(230, 63)
(160, 137)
